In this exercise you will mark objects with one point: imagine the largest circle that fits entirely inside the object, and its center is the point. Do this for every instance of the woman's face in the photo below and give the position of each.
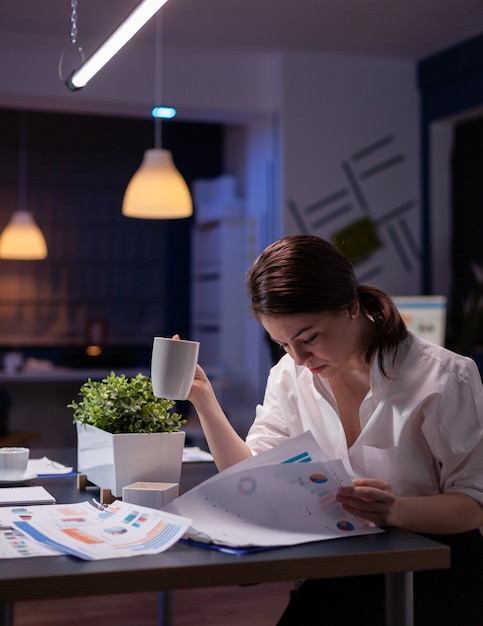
(326, 342)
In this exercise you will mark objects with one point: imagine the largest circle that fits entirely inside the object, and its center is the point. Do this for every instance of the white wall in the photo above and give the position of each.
(332, 108)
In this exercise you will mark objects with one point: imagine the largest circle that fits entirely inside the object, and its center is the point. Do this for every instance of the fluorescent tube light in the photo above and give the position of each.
(119, 38)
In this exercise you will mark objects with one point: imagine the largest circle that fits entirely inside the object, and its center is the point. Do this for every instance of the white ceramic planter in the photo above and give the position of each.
(114, 461)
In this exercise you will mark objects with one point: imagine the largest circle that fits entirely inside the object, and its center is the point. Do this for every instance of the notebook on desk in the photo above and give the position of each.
(16, 496)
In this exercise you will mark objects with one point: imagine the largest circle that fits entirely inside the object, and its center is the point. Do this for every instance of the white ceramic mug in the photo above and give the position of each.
(173, 365)
(13, 463)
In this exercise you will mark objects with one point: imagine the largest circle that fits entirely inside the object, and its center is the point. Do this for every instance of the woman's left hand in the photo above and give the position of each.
(370, 499)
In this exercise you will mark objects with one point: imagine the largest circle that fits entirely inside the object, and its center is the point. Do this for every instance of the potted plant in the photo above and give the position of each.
(125, 434)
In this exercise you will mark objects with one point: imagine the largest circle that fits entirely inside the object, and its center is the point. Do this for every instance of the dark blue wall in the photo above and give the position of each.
(450, 83)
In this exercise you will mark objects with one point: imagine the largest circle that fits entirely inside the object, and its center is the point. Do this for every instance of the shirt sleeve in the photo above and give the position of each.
(454, 432)
(270, 427)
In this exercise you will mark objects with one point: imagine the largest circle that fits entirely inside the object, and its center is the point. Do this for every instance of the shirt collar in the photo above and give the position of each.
(377, 375)
(298, 368)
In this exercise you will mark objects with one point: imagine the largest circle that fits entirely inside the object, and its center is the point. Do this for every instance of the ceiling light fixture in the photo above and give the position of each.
(165, 113)
(157, 190)
(119, 38)
(22, 239)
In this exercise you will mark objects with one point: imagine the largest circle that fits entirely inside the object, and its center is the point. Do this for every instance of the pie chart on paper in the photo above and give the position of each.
(344, 525)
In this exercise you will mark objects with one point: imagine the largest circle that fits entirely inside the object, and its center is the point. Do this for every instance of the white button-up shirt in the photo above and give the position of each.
(422, 425)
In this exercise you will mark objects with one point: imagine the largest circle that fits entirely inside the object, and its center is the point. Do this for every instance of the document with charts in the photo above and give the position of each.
(284, 496)
(88, 530)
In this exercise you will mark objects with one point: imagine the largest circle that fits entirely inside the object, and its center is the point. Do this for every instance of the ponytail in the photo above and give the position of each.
(389, 325)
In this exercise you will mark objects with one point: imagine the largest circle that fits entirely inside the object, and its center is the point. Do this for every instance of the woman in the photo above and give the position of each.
(405, 416)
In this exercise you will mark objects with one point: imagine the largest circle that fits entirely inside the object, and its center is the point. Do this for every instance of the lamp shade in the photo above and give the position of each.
(157, 190)
(22, 239)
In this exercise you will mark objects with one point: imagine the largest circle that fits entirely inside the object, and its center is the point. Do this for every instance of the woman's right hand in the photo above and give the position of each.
(225, 444)
(200, 383)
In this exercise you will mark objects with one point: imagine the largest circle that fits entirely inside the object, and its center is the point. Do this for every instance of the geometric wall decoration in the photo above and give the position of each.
(366, 226)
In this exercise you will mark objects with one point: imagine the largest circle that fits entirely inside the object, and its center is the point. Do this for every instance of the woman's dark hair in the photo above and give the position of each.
(307, 274)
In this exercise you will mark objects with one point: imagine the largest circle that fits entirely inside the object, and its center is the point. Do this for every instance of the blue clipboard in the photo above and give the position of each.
(227, 549)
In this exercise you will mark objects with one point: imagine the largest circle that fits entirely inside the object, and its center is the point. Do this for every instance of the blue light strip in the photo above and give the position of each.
(165, 113)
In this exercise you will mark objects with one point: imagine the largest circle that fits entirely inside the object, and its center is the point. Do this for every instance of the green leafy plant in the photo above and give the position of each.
(117, 404)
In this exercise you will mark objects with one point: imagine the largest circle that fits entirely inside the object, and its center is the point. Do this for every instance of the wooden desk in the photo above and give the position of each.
(395, 553)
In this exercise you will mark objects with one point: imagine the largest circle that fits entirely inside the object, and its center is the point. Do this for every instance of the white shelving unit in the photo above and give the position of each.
(218, 296)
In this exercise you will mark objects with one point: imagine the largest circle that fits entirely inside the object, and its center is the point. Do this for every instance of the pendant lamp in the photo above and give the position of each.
(157, 190)
(22, 239)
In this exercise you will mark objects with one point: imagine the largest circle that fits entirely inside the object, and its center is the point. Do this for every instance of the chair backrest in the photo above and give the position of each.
(424, 316)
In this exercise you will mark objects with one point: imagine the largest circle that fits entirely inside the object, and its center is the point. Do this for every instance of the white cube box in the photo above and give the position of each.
(152, 495)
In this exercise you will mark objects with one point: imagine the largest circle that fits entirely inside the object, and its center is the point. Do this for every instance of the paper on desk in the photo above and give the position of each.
(94, 531)
(282, 497)
(14, 544)
(193, 454)
(45, 467)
